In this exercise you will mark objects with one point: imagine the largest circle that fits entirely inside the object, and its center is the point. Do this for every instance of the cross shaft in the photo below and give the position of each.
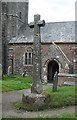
(36, 83)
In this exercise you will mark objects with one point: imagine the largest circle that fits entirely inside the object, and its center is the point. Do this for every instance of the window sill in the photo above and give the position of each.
(27, 65)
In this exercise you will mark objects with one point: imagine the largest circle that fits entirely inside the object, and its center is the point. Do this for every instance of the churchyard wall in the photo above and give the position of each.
(63, 78)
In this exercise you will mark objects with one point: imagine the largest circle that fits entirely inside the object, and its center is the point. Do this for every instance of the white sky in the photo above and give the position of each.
(52, 10)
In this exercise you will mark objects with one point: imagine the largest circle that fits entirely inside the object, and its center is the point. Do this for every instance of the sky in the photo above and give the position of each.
(52, 10)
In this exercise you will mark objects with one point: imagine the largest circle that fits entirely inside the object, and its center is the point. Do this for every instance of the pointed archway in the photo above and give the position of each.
(52, 68)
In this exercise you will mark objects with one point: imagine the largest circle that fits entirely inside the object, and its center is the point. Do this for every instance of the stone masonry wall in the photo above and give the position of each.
(66, 78)
(4, 37)
(18, 52)
(48, 53)
(15, 14)
(0, 41)
(75, 58)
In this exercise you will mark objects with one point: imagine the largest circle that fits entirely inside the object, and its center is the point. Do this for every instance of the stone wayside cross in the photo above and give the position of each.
(36, 83)
(37, 98)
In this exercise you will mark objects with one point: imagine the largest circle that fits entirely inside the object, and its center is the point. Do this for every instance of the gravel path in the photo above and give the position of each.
(9, 110)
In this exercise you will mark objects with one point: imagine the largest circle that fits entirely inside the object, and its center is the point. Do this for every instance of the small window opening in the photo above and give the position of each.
(20, 15)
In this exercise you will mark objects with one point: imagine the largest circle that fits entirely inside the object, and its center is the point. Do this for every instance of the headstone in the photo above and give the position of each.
(55, 82)
(36, 83)
(23, 74)
(9, 70)
(0, 72)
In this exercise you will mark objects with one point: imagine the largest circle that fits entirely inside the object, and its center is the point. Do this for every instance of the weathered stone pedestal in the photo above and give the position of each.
(36, 100)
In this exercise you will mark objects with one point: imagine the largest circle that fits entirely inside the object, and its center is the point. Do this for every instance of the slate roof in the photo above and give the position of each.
(51, 32)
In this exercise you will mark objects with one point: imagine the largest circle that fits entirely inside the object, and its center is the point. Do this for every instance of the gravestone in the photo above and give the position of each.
(0, 72)
(55, 82)
(9, 70)
(37, 97)
(23, 74)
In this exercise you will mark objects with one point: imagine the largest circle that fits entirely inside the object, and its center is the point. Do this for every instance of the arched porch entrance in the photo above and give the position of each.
(52, 68)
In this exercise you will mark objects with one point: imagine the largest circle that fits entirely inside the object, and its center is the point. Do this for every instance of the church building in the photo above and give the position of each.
(58, 45)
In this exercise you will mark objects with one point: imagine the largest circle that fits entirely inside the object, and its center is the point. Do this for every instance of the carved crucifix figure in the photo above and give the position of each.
(36, 83)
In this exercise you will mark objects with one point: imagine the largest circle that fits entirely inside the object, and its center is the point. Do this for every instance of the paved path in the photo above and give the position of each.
(9, 110)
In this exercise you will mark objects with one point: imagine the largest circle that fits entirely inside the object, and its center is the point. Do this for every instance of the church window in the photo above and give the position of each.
(32, 58)
(25, 58)
(20, 15)
(29, 57)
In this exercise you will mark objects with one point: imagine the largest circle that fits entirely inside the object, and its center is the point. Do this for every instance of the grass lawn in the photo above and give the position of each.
(15, 82)
(65, 96)
(0, 86)
(63, 115)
